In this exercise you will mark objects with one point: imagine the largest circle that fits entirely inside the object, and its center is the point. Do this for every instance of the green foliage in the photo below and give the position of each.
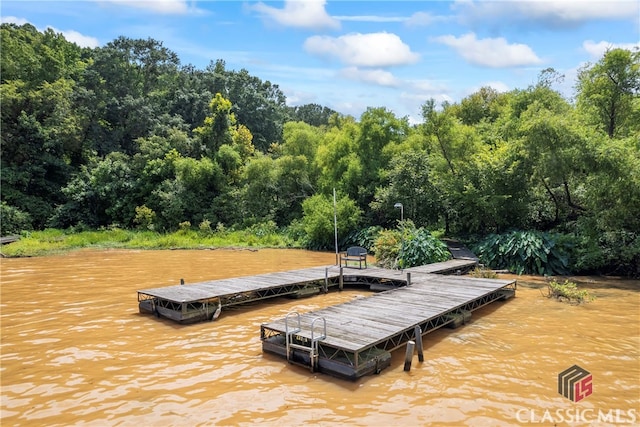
(420, 247)
(205, 227)
(365, 237)
(608, 89)
(483, 273)
(409, 182)
(568, 291)
(50, 241)
(408, 246)
(89, 135)
(609, 252)
(387, 248)
(318, 224)
(145, 217)
(13, 220)
(524, 252)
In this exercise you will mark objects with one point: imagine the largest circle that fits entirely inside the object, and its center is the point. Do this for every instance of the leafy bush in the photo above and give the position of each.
(387, 248)
(524, 252)
(409, 246)
(13, 220)
(145, 217)
(317, 220)
(568, 291)
(365, 237)
(609, 252)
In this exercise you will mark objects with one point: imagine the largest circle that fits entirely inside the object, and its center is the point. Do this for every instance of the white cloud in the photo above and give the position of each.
(71, 35)
(597, 50)
(500, 87)
(423, 19)
(490, 52)
(309, 14)
(546, 13)
(370, 18)
(163, 7)
(13, 20)
(375, 76)
(363, 50)
(79, 39)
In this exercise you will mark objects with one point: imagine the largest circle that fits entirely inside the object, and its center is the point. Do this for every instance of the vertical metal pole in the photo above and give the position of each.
(341, 279)
(326, 280)
(418, 338)
(409, 278)
(335, 223)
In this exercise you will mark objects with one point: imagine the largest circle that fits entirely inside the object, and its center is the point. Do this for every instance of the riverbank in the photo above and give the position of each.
(54, 241)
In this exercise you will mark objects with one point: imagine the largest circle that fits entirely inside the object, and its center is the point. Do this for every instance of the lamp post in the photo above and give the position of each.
(400, 260)
(399, 205)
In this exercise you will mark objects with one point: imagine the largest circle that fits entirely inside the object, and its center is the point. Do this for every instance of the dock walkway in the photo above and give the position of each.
(348, 340)
(354, 339)
(203, 301)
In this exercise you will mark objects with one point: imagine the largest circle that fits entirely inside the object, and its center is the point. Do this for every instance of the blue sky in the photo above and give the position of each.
(350, 55)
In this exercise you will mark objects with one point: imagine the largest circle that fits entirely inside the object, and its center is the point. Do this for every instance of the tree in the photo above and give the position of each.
(608, 91)
(217, 127)
(260, 106)
(318, 223)
(312, 114)
(410, 184)
(380, 131)
(41, 129)
(485, 104)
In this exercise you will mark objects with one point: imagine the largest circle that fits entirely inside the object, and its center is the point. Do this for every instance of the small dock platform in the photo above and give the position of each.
(355, 339)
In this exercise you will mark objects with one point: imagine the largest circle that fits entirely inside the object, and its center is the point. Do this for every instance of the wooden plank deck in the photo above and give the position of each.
(361, 333)
(198, 301)
(393, 311)
(228, 287)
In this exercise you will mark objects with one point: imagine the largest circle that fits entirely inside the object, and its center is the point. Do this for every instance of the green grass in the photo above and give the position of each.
(51, 241)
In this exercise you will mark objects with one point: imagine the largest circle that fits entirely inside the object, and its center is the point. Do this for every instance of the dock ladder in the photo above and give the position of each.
(312, 348)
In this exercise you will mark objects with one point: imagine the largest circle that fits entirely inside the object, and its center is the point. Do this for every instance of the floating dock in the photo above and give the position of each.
(348, 340)
(355, 339)
(203, 301)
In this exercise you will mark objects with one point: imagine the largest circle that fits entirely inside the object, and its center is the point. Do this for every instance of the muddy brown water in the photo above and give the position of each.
(75, 351)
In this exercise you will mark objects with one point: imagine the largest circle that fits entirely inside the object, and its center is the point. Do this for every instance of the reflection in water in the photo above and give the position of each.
(76, 351)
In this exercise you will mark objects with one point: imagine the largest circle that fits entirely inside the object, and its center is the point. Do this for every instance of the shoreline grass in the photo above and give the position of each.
(55, 241)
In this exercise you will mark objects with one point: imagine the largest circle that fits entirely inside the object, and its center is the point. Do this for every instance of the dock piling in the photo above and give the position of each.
(325, 288)
(409, 355)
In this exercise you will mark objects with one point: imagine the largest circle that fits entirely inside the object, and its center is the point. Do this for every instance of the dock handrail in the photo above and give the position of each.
(324, 329)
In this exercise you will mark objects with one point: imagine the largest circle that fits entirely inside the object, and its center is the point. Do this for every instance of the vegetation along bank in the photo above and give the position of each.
(124, 137)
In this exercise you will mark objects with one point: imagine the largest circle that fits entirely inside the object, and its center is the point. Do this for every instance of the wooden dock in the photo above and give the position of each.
(349, 340)
(204, 300)
(354, 339)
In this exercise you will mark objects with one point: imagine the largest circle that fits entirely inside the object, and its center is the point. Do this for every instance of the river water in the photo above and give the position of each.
(75, 351)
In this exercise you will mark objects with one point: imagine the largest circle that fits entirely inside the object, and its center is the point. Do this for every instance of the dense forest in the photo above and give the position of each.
(125, 136)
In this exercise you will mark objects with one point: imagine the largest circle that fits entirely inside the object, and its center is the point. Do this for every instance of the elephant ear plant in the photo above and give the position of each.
(408, 246)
